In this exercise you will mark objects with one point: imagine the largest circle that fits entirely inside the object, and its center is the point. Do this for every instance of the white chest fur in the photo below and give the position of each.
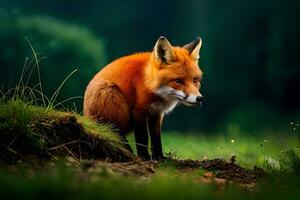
(163, 106)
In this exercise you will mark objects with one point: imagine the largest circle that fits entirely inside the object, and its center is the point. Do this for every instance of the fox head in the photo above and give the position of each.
(174, 73)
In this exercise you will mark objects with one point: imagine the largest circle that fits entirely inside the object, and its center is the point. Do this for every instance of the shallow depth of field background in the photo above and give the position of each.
(249, 54)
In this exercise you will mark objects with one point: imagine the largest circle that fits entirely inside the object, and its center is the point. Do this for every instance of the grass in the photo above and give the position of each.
(27, 129)
(249, 149)
(61, 181)
(63, 184)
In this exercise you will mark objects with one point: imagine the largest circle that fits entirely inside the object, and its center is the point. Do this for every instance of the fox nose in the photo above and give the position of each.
(199, 99)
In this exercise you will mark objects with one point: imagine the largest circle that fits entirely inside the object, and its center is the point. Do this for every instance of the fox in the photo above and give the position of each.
(135, 92)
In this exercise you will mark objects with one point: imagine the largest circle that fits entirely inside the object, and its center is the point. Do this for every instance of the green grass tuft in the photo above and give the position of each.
(27, 129)
(261, 149)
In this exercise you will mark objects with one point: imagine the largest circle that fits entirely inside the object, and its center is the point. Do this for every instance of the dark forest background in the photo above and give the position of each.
(250, 52)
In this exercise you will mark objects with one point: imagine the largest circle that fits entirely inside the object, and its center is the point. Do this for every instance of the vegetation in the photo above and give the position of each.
(75, 47)
(249, 54)
(249, 149)
(28, 130)
(94, 180)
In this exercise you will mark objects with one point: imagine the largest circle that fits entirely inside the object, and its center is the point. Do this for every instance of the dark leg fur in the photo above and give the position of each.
(141, 135)
(154, 125)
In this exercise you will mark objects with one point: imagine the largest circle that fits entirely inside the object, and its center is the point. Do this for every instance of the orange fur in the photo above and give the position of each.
(123, 92)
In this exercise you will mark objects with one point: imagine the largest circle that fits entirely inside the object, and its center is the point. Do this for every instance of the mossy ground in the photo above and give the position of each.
(27, 130)
(46, 153)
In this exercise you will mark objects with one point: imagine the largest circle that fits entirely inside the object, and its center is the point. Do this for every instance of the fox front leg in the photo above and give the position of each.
(154, 126)
(141, 135)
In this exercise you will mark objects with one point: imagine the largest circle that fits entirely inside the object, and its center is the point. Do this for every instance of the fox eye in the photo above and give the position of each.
(196, 80)
(179, 81)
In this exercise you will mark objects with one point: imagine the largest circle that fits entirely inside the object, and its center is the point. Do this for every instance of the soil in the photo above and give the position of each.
(137, 168)
(220, 168)
(217, 171)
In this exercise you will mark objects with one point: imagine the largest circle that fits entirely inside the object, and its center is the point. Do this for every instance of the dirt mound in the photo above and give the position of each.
(222, 169)
(217, 171)
(61, 135)
(136, 168)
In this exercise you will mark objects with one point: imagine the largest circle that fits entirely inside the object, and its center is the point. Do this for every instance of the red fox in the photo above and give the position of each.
(135, 92)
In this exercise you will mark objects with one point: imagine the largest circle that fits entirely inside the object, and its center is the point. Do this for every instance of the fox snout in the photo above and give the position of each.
(192, 100)
(186, 99)
(199, 99)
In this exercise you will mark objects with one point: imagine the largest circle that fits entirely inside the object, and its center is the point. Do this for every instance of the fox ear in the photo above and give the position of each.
(163, 50)
(194, 48)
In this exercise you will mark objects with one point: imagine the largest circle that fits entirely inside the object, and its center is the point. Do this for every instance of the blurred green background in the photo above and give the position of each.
(249, 54)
